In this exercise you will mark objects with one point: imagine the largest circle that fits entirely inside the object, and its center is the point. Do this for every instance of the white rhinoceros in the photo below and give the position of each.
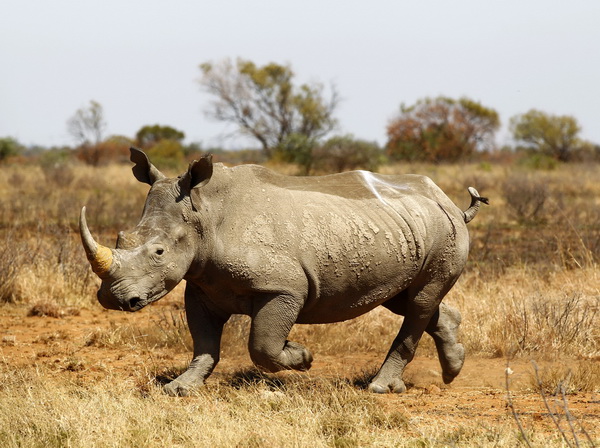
(288, 250)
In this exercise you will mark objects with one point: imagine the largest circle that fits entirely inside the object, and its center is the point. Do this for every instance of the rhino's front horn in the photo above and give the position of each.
(100, 257)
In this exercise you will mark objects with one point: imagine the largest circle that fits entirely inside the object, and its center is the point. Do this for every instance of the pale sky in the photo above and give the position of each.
(139, 59)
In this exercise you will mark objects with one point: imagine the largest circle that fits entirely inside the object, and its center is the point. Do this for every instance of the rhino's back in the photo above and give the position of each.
(358, 237)
(356, 185)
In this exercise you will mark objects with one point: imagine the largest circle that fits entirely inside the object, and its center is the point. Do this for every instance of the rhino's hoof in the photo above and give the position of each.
(453, 364)
(396, 386)
(176, 389)
(377, 389)
(298, 356)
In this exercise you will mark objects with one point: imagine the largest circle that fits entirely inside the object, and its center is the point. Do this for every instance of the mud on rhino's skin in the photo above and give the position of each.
(288, 250)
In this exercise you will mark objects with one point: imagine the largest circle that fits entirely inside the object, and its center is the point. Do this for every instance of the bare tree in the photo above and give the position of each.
(265, 104)
(87, 125)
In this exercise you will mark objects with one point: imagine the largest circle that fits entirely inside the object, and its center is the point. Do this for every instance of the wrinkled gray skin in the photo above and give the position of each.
(288, 250)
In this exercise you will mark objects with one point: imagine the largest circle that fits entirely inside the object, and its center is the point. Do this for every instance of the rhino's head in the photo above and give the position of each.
(152, 259)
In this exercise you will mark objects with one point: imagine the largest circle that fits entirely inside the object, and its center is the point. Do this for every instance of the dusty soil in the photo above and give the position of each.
(63, 345)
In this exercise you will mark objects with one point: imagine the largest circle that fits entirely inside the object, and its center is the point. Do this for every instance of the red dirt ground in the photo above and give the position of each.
(478, 393)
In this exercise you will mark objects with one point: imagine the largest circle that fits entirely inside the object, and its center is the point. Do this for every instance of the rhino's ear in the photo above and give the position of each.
(143, 170)
(198, 174)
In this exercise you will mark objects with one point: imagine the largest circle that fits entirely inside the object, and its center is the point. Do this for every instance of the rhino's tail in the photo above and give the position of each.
(476, 200)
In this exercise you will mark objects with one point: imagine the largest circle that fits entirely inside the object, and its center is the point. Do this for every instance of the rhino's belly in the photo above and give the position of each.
(334, 298)
(336, 309)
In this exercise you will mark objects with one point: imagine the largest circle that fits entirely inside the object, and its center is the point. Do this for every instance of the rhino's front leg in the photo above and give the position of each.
(206, 327)
(272, 320)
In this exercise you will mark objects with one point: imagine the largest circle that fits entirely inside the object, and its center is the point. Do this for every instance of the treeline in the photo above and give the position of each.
(296, 123)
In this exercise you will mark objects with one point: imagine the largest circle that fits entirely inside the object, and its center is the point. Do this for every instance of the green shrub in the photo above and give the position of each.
(538, 161)
(9, 147)
(345, 153)
(167, 154)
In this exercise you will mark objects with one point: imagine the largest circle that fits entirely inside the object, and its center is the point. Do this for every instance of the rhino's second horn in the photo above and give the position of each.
(100, 257)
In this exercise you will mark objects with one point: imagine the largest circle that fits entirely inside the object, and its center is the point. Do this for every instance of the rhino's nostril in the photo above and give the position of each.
(134, 302)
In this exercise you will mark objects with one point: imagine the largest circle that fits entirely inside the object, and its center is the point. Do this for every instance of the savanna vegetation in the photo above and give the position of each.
(72, 374)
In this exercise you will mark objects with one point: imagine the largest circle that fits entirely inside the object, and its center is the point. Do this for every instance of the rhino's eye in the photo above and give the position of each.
(159, 251)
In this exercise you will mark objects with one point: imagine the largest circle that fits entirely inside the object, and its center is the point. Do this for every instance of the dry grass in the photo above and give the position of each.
(168, 331)
(531, 289)
(572, 378)
(523, 313)
(244, 410)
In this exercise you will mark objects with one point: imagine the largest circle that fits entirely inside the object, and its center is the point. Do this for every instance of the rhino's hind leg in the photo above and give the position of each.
(443, 328)
(272, 321)
(418, 304)
(389, 377)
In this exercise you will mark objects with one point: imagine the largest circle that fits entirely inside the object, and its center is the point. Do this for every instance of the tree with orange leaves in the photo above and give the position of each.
(441, 129)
